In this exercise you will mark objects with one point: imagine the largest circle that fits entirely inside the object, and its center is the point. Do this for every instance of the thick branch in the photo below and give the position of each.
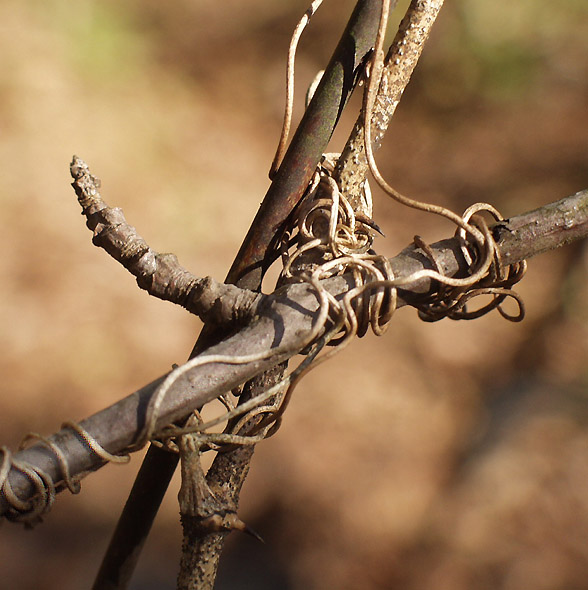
(284, 316)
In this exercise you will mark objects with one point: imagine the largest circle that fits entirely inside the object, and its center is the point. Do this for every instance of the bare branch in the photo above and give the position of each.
(399, 64)
(543, 229)
(289, 183)
(207, 525)
(288, 186)
(307, 145)
(161, 275)
(284, 316)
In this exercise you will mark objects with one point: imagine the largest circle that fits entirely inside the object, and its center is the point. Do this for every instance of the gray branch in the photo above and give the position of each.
(161, 275)
(283, 318)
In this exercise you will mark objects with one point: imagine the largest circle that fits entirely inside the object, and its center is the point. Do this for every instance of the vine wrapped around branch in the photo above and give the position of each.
(282, 318)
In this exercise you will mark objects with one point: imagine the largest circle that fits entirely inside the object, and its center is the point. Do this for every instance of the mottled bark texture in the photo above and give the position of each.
(206, 524)
(161, 275)
(399, 64)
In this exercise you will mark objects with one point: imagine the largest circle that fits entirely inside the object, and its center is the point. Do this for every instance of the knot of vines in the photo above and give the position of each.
(328, 236)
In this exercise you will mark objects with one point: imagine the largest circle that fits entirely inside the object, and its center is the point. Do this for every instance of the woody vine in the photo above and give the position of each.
(317, 218)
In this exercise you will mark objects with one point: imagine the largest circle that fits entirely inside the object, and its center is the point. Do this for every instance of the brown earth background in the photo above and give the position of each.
(443, 456)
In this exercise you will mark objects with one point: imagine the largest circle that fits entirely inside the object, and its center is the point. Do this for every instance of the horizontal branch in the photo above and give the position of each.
(543, 229)
(284, 318)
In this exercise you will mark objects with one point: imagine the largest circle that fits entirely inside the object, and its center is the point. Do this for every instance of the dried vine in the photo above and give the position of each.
(292, 308)
(341, 288)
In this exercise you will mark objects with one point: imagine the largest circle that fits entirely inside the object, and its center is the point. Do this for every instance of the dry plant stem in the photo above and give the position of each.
(281, 149)
(543, 229)
(398, 66)
(285, 316)
(160, 275)
(307, 145)
(205, 531)
(289, 182)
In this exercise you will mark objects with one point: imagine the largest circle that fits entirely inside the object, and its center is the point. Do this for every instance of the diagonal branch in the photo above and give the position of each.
(399, 64)
(307, 145)
(159, 274)
(283, 317)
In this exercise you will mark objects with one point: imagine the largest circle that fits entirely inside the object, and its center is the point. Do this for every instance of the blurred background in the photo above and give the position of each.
(439, 456)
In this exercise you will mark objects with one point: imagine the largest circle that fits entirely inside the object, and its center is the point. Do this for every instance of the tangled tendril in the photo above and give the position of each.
(326, 237)
(30, 512)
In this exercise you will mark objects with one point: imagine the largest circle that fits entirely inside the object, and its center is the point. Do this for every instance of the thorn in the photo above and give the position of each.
(239, 525)
(370, 223)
